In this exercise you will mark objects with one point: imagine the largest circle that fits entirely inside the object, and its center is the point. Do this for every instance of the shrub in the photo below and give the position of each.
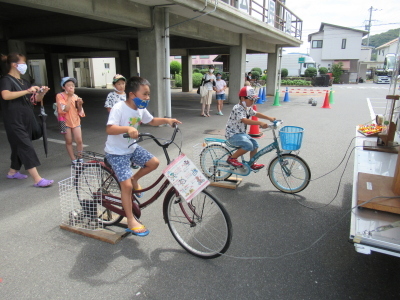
(256, 70)
(296, 82)
(225, 76)
(255, 74)
(175, 67)
(337, 72)
(178, 80)
(196, 70)
(323, 70)
(196, 77)
(284, 73)
(204, 71)
(264, 77)
(310, 72)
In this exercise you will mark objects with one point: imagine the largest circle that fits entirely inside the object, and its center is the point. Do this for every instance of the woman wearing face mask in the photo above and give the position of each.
(118, 94)
(209, 82)
(69, 106)
(17, 112)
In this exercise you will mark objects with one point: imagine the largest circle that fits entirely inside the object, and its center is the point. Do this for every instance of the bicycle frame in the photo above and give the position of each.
(222, 165)
(114, 203)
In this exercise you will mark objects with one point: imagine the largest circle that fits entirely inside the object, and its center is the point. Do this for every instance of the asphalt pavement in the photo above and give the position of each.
(283, 247)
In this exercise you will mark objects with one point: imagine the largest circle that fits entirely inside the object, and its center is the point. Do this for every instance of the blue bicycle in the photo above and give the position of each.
(288, 172)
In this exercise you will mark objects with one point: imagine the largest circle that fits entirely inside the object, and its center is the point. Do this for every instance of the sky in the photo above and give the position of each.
(348, 13)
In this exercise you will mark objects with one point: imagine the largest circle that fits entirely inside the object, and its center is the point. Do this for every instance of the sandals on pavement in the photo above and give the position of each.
(43, 183)
(17, 175)
(134, 231)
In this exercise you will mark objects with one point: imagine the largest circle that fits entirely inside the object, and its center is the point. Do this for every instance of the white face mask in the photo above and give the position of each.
(117, 90)
(211, 70)
(22, 68)
(244, 104)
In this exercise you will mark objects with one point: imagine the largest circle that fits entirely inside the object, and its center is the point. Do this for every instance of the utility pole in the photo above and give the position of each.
(369, 22)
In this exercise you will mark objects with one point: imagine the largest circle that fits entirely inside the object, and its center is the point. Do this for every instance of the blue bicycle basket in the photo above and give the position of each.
(291, 137)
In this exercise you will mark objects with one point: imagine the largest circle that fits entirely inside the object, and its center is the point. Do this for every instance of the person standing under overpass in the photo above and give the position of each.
(209, 83)
(118, 94)
(17, 112)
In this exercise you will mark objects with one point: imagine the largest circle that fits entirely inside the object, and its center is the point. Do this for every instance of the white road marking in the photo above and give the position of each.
(371, 110)
(61, 142)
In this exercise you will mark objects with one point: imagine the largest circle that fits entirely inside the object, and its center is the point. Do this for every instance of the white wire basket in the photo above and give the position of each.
(81, 197)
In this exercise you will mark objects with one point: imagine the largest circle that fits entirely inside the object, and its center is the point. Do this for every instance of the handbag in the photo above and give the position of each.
(37, 130)
(202, 91)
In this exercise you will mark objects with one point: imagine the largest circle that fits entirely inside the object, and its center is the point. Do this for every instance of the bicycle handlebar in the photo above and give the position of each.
(165, 145)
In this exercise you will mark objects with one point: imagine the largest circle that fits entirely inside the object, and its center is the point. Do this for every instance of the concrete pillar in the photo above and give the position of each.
(152, 62)
(53, 75)
(272, 74)
(122, 63)
(187, 74)
(237, 69)
(133, 65)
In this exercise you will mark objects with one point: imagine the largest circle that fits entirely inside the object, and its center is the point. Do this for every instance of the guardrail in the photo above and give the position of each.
(273, 12)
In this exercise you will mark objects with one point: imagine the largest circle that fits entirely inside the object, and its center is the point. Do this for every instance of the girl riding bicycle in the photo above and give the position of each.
(125, 117)
(237, 125)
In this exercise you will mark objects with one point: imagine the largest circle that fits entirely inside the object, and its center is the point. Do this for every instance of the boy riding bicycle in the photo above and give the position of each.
(125, 117)
(237, 125)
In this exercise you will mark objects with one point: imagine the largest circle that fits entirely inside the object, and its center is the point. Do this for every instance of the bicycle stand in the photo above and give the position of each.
(230, 183)
(104, 235)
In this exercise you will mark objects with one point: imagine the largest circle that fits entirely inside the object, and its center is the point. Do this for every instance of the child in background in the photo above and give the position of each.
(125, 117)
(69, 106)
(118, 94)
(220, 86)
(236, 127)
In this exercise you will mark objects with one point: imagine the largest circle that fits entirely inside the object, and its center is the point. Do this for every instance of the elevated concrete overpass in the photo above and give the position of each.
(152, 30)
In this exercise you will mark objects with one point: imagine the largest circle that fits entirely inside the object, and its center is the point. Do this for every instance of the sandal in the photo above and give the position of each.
(134, 231)
(139, 194)
(43, 183)
(17, 175)
(203, 115)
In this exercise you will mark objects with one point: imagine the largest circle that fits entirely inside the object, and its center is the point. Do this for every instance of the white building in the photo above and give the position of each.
(381, 51)
(333, 44)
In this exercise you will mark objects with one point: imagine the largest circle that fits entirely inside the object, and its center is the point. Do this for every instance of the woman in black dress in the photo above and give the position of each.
(17, 115)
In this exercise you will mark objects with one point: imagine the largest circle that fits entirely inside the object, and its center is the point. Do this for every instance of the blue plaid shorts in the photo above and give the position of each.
(121, 164)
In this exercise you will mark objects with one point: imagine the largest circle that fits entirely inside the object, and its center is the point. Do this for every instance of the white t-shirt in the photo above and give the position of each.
(113, 98)
(122, 115)
(209, 85)
(219, 84)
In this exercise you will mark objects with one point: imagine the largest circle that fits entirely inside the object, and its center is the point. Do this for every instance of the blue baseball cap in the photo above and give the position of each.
(66, 79)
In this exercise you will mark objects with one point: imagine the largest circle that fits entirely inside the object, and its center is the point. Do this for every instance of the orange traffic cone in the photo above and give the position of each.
(255, 129)
(326, 101)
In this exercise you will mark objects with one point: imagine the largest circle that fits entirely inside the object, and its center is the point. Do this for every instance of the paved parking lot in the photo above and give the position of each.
(283, 247)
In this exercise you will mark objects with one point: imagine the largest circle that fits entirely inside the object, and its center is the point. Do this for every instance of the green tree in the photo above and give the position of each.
(255, 74)
(196, 77)
(310, 72)
(175, 67)
(337, 72)
(284, 73)
(196, 70)
(323, 70)
(256, 70)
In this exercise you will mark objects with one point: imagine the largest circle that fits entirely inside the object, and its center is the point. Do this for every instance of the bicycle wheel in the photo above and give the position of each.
(208, 162)
(202, 227)
(299, 176)
(90, 179)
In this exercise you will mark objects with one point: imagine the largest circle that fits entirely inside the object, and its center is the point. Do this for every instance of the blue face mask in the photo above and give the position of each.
(141, 104)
